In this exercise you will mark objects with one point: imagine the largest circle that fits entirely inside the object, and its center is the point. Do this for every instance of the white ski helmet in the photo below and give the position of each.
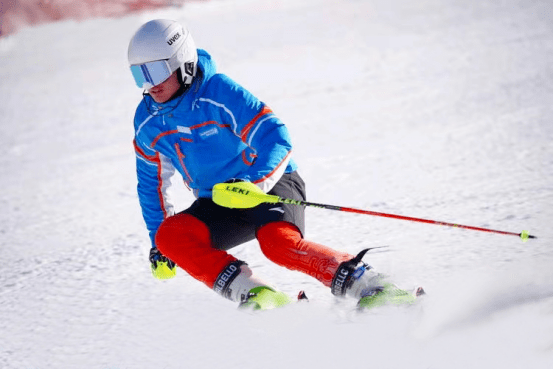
(158, 49)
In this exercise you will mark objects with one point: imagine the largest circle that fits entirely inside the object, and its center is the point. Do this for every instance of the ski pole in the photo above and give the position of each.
(245, 195)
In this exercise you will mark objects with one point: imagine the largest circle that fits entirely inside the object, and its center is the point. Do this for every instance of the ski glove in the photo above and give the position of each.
(162, 267)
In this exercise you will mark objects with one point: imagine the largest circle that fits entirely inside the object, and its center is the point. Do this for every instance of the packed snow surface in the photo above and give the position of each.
(433, 109)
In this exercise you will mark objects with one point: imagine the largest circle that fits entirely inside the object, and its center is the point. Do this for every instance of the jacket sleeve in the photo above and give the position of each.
(268, 139)
(154, 174)
(269, 146)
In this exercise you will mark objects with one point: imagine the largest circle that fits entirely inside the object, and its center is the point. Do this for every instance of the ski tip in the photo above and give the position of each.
(302, 296)
(420, 292)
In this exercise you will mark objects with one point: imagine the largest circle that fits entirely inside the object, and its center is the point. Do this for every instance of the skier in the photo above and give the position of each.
(211, 130)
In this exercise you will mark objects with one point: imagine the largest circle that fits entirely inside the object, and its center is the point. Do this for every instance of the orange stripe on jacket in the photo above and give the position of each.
(208, 123)
(160, 185)
(142, 153)
(181, 160)
(246, 130)
(245, 158)
(161, 135)
(157, 161)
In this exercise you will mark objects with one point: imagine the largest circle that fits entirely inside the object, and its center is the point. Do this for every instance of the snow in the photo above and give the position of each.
(431, 109)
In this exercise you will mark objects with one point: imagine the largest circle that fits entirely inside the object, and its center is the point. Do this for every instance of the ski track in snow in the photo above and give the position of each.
(432, 109)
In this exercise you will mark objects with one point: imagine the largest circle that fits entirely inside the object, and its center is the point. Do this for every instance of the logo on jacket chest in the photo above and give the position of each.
(210, 132)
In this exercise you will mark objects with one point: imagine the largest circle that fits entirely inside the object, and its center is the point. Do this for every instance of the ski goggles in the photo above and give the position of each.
(151, 74)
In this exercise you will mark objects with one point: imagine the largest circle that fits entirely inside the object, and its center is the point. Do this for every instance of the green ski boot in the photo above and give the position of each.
(264, 298)
(389, 294)
(356, 279)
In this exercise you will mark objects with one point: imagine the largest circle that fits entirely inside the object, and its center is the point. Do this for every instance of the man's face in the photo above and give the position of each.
(166, 89)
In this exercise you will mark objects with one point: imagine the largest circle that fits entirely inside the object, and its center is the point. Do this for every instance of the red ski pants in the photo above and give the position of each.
(187, 241)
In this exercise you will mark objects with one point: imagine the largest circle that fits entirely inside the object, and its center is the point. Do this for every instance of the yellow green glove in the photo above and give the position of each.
(162, 267)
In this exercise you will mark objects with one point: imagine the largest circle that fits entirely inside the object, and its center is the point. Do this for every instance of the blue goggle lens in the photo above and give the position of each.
(151, 74)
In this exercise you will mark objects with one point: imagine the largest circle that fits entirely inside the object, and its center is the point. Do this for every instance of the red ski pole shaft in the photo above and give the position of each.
(523, 235)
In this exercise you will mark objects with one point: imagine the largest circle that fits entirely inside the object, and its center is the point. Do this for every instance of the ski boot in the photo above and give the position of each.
(389, 294)
(237, 283)
(264, 298)
(358, 280)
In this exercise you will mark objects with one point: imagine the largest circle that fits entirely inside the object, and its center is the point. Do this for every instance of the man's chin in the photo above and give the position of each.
(159, 99)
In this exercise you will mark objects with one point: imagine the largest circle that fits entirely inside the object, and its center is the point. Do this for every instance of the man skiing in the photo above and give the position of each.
(211, 130)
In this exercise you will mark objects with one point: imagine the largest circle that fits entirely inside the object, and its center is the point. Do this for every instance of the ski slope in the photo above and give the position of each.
(434, 109)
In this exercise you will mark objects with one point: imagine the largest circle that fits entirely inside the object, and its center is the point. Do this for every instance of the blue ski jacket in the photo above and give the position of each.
(213, 132)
